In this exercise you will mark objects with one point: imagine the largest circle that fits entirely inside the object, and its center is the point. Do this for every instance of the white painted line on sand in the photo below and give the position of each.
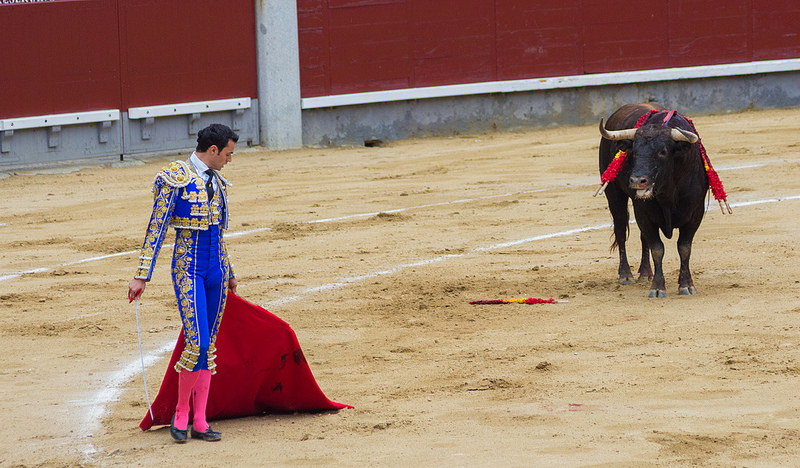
(228, 235)
(399, 210)
(761, 202)
(84, 316)
(76, 262)
(96, 404)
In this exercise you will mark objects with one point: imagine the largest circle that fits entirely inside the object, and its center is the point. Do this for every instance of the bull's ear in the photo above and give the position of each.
(686, 147)
(624, 145)
(681, 150)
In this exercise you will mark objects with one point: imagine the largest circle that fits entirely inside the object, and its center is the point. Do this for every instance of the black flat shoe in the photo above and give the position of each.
(177, 434)
(209, 435)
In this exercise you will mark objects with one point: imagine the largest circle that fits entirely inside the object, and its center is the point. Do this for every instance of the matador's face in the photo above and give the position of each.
(218, 158)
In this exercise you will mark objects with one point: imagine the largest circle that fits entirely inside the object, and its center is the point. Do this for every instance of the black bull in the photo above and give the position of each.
(665, 177)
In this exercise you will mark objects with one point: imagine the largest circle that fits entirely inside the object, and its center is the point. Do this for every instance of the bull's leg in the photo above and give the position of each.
(618, 205)
(651, 236)
(685, 283)
(658, 287)
(645, 272)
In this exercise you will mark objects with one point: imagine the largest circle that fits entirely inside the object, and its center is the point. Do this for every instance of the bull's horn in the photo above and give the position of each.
(626, 134)
(683, 135)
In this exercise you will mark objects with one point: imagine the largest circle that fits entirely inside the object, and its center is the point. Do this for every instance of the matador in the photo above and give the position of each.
(191, 196)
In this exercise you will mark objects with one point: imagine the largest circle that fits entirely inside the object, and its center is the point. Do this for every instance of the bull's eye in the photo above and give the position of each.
(663, 153)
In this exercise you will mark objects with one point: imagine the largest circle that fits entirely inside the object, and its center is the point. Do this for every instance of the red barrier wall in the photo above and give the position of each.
(186, 50)
(58, 57)
(349, 46)
(78, 55)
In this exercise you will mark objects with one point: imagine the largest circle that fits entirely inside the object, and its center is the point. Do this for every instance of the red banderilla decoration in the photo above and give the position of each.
(530, 300)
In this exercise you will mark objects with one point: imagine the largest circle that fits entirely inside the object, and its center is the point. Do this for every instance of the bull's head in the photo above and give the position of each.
(652, 150)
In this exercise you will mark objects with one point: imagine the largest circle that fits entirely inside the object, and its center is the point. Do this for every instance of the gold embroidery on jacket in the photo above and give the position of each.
(185, 250)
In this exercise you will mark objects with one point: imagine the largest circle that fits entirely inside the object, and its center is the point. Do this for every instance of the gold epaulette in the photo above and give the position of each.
(176, 174)
(224, 180)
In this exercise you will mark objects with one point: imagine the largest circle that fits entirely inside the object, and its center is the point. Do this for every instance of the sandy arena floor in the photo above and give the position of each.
(372, 255)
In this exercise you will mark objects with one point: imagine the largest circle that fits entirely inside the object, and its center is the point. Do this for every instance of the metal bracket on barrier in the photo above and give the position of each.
(54, 136)
(147, 128)
(238, 115)
(5, 140)
(105, 128)
(194, 123)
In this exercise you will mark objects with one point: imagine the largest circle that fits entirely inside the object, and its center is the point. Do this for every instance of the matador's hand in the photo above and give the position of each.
(232, 284)
(135, 289)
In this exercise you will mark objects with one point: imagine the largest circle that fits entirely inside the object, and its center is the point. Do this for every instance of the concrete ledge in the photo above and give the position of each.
(540, 84)
(186, 108)
(74, 118)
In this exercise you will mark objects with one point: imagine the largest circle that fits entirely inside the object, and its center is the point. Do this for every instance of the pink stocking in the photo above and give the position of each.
(186, 381)
(199, 422)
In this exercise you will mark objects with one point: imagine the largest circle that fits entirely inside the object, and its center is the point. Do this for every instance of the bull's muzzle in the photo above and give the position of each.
(643, 186)
(639, 182)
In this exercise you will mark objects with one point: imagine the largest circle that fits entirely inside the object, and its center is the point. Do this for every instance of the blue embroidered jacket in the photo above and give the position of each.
(181, 201)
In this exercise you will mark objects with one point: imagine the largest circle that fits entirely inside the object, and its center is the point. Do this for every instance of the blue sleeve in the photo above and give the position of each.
(163, 206)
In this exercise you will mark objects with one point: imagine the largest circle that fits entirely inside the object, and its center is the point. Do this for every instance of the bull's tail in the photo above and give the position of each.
(614, 243)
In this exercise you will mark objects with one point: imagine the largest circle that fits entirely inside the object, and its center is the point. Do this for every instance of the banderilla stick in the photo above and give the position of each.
(600, 189)
(141, 355)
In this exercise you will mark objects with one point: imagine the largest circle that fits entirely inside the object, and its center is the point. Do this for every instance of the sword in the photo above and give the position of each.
(141, 354)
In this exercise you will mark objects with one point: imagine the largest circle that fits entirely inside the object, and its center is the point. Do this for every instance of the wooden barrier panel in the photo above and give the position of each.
(186, 50)
(709, 33)
(59, 57)
(86, 55)
(776, 30)
(538, 36)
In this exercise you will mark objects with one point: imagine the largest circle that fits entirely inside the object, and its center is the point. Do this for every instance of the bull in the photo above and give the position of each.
(664, 176)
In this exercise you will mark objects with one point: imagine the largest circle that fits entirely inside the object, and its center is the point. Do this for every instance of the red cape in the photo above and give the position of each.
(260, 369)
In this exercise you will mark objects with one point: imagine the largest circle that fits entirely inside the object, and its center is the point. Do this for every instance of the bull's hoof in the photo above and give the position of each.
(658, 293)
(686, 291)
(626, 281)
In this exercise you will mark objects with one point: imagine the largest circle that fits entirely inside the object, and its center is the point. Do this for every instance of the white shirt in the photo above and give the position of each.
(200, 168)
